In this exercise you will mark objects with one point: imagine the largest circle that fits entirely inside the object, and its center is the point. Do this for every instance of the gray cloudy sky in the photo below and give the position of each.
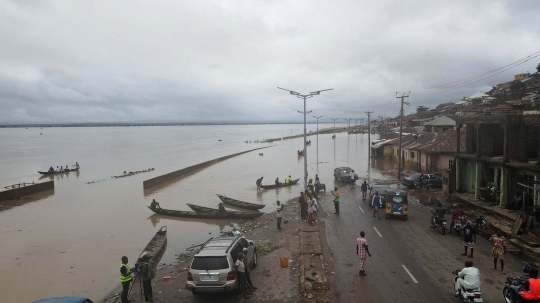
(102, 61)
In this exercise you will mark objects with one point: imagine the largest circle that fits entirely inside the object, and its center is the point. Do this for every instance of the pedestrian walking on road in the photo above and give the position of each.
(302, 202)
(469, 238)
(353, 179)
(279, 209)
(499, 250)
(364, 188)
(125, 278)
(376, 204)
(336, 200)
(362, 251)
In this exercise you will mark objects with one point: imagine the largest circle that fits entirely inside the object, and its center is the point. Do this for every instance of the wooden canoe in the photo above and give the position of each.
(156, 247)
(233, 214)
(239, 203)
(206, 215)
(54, 173)
(293, 182)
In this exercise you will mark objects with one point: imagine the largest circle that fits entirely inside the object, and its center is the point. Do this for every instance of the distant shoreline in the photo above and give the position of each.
(145, 124)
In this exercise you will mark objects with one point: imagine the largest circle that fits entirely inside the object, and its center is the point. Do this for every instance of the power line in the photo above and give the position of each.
(473, 79)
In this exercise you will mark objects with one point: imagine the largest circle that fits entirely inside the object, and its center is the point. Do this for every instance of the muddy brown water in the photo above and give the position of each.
(69, 241)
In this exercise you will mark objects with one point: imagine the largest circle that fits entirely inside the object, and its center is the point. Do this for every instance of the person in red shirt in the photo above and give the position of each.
(456, 213)
(534, 287)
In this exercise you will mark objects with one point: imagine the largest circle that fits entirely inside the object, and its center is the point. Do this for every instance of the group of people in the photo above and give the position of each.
(242, 272)
(308, 206)
(287, 181)
(62, 169)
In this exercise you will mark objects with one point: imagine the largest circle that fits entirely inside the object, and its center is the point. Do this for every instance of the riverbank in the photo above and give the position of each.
(275, 283)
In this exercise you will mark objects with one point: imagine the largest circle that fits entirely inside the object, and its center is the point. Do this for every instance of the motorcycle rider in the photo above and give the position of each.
(533, 284)
(467, 278)
(438, 214)
(456, 214)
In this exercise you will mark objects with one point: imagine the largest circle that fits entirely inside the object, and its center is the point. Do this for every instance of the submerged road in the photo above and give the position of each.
(410, 261)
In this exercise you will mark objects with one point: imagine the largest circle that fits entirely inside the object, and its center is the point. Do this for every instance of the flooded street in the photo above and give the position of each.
(68, 241)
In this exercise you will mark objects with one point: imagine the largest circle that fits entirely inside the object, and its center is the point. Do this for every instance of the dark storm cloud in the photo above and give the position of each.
(96, 61)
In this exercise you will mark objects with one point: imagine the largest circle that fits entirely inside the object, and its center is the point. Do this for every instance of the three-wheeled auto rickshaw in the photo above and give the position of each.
(397, 203)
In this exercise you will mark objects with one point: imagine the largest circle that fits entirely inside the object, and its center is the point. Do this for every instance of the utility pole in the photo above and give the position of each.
(369, 134)
(310, 95)
(317, 117)
(400, 131)
(334, 124)
(348, 120)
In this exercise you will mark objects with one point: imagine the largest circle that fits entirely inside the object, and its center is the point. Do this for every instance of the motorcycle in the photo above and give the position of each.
(518, 281)
(438, 223)
(319, 187)
(421, 186)
(479, 222)
(468, 295)
(458, 226)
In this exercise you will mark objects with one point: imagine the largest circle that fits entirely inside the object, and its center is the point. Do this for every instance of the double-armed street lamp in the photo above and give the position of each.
(334, 124)
(310, 95)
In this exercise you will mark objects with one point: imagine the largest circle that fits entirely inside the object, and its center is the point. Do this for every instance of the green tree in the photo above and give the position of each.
(518, 87)
(422, 108)
(538, 68)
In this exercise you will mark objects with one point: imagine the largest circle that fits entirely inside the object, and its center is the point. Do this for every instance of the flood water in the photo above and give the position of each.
(69, 241)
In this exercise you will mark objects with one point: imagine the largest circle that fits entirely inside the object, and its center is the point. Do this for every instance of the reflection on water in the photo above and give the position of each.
(9, 204)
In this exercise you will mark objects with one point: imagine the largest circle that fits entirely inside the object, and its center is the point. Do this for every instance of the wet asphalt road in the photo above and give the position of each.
(409, 245)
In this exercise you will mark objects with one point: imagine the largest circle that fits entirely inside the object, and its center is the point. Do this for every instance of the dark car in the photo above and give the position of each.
(344, 174)
(381, 189)
(432, 179)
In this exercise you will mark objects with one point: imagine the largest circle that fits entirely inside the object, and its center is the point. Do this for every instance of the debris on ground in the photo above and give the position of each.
(266, 248)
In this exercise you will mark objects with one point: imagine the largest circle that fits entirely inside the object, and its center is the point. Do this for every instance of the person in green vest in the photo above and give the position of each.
(288, 180)
(336, 200)
(125, 278)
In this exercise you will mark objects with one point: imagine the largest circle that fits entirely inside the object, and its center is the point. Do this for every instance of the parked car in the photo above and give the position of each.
(344, 174)
(382, 189)
(65, 300)
(212, 268)
(434, 180)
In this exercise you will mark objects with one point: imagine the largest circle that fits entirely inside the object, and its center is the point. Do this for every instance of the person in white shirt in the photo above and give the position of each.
(279, 209)
(77, 165)
(353, 179)
(468, 278)
(241, 271)
(314, 207)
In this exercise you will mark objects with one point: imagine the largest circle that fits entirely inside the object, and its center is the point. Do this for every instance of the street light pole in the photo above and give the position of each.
(310, 95)
(349, 120)
(317, 117)
(334, 124)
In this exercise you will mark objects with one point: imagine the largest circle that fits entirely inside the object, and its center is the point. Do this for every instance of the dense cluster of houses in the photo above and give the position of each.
(485, 144)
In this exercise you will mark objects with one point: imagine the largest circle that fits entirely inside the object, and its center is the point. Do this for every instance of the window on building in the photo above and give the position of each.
(412, 155)
(450, 164)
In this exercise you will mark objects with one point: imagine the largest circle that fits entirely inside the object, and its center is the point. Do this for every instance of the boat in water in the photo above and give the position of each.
(156, 247)
(65, 171)
(239, 203)
(232, 213)
(293, 182)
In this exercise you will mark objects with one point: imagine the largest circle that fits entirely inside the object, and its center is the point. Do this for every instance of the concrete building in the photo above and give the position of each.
(520, 77)
(440, 124)
(500, 151)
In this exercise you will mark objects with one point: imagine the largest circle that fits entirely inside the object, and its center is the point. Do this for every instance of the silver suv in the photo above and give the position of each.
(213, 269)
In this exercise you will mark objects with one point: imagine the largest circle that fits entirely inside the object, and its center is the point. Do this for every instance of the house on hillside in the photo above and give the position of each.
(440, 124)
(520, 77)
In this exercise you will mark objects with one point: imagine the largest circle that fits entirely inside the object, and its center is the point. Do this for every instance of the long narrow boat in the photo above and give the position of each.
(293, 182)
(206, 215)
(233, 214)
(239, 203)
(156, 247)
(54, 173)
